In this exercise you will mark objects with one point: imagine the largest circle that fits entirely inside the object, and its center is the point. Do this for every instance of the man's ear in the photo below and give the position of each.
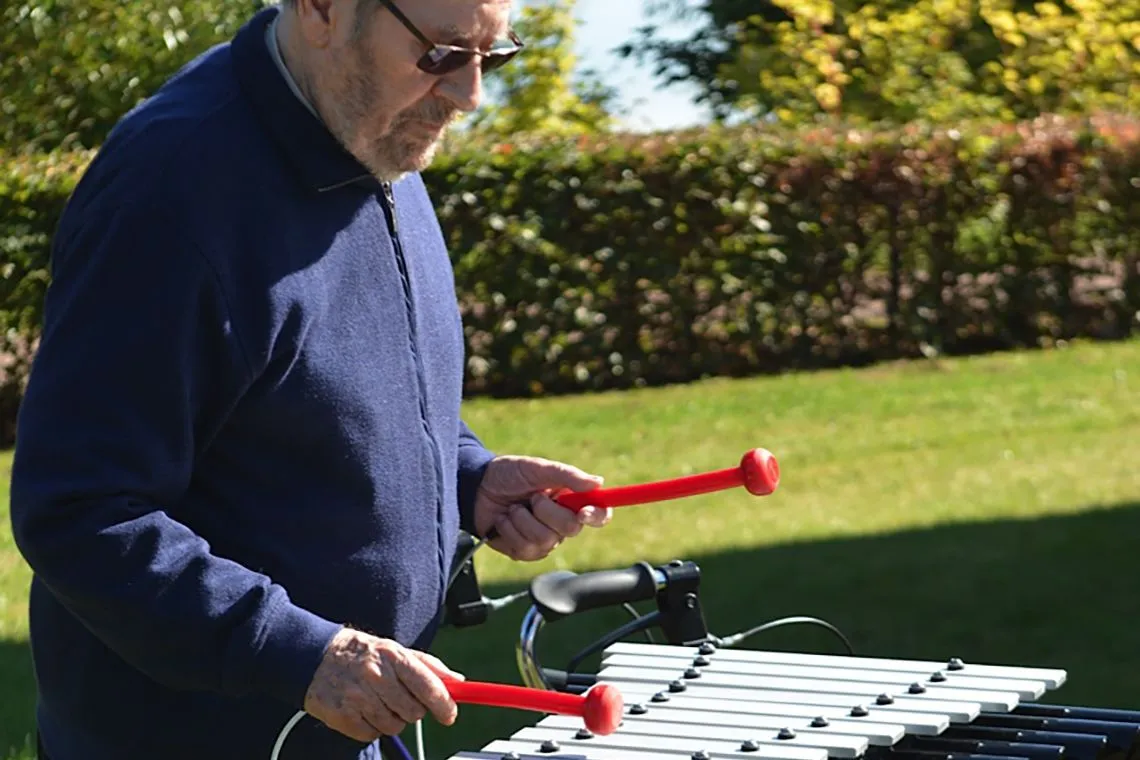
(319, 20)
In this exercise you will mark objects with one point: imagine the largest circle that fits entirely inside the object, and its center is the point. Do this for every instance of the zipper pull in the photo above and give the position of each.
(390, 197)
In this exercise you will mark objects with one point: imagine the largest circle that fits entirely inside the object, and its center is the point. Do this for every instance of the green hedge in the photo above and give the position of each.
(33, 191)
(666, 258)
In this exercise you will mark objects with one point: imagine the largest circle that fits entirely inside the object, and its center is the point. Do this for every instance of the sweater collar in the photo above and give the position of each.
(322, 162)
(275, 54)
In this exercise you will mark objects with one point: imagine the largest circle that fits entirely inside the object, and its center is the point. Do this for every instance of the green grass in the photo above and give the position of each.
(985, 507)
(17, 695)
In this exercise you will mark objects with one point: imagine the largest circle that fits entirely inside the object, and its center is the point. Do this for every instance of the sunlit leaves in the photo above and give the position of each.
(70, 68)
(542, 91)
(898, 60)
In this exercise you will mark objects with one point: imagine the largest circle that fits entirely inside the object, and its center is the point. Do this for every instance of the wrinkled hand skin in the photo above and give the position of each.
(367, 687)
(511, 484)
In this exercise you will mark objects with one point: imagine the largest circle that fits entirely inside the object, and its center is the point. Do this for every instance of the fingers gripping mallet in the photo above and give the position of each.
(600, 708)
(758, 472)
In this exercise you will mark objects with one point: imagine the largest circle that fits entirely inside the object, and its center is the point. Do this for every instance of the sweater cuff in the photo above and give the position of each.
(473, 461)
(295, 644)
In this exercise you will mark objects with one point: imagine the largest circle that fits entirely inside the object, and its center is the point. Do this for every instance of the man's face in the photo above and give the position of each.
(378, 103)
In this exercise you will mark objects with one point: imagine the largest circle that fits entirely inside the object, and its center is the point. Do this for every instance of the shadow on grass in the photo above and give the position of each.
(17, 704)
(1058, 591)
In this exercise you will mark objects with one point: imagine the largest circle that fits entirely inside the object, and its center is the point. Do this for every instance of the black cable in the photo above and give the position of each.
(459, 567)
(635, 614)
(630, 628)
(736, 638)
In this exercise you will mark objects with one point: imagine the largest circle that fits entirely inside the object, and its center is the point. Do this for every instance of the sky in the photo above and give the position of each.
(605, 24)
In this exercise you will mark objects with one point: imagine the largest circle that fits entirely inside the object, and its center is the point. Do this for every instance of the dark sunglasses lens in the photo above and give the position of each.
(444, 61)
(493, 61)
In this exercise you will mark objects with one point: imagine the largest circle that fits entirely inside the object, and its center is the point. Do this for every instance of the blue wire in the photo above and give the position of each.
(393, 749)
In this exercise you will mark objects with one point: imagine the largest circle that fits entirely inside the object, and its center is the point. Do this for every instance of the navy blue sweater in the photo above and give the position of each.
(242, 429)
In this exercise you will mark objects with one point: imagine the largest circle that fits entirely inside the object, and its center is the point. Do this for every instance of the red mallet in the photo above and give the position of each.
(758, 472)
(601, 707)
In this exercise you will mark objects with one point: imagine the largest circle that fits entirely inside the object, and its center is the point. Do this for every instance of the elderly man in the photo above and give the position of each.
(241, 466)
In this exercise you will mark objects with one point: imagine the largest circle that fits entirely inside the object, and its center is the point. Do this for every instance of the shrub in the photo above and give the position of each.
(33, 191)
(658, 259)
(596, 264)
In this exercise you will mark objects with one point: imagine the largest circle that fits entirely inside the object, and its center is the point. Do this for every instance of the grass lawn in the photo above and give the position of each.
(986, 508)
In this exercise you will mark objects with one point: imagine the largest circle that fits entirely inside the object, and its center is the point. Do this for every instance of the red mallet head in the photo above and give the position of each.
(761, 472)
(603, 709)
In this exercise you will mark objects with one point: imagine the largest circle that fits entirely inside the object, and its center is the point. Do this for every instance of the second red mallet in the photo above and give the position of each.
(758, 472)
(600, 708)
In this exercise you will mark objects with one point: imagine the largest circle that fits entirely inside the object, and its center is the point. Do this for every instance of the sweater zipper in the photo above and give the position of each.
(406, 281)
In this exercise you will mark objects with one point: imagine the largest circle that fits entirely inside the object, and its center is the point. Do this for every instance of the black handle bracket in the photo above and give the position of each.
(464, 605)
(682, 619)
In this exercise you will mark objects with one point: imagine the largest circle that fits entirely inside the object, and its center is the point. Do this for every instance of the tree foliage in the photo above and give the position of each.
(542, 90)
(897, 60)
(69, 69)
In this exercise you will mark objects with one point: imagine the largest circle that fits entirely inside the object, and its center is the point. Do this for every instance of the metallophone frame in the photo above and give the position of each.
(811, 707)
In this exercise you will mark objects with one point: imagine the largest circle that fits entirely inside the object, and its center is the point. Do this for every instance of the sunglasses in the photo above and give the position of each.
(444, 59)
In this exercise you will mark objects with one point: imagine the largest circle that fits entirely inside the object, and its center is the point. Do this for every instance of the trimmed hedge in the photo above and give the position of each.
(664, 259)
(33, 192)
(654, 259)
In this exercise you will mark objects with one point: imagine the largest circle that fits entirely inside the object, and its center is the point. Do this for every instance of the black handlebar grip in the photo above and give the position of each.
(563, 593)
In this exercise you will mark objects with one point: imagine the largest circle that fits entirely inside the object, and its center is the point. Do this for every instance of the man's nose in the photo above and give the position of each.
(464, 87)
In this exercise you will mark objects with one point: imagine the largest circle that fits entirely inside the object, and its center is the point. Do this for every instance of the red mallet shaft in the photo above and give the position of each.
(758, 472)
(601, 707)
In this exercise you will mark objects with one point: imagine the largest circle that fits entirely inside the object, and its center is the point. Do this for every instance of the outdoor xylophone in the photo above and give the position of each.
(701, 702)
(696, 698)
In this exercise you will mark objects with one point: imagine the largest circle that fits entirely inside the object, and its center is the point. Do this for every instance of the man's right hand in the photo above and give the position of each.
(367, 687)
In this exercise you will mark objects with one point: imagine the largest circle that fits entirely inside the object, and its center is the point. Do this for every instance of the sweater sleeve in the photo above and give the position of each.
(473, 460)
(138, 367)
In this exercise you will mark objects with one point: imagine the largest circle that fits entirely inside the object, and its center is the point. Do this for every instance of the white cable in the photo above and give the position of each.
(497, 604)
(494, 604)
(285, 732)
(301, 714)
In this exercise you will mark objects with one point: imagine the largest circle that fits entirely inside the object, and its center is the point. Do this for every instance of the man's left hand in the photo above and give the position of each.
(510, 484)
